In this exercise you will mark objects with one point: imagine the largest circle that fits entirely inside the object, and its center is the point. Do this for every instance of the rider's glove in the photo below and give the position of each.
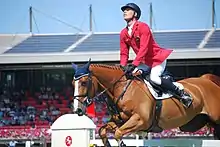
(123, 67)
(129, 68)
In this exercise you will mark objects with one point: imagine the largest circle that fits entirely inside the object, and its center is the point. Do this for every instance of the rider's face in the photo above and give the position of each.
(128, 14)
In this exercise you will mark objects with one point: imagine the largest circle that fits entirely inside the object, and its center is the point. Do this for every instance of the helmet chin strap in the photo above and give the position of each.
(132, 19)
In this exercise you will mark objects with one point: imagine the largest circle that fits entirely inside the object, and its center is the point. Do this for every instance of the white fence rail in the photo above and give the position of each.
(163, 143)
(182, 143)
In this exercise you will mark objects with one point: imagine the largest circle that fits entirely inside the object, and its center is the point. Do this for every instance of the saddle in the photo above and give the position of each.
(165, 75)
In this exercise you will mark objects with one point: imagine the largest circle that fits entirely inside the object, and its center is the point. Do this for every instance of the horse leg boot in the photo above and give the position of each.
(109, 127)
(134, 124)
(184, 97)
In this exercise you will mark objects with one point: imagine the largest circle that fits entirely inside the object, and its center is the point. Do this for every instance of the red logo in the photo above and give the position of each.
(68, 141)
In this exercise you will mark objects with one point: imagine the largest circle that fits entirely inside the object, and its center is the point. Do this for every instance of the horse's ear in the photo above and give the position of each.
(74, 66)
(89, 60)
(88, 64)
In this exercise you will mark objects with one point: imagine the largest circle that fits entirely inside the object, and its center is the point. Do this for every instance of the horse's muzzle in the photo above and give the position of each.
(79, 112)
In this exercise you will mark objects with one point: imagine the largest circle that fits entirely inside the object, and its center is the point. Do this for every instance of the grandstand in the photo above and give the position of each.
(63, 48)
(36, 73)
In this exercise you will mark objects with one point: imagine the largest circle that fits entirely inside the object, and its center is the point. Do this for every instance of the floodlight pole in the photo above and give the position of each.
(151, 16)
(30, 19)
(213, 14)
(90, 18)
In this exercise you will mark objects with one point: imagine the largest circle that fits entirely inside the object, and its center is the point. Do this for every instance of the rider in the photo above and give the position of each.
(138, 35)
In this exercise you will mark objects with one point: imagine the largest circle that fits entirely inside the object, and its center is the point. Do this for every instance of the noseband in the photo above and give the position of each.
(87, 101)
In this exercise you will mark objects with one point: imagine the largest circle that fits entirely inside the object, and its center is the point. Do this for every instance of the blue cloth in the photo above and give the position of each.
(144, 68)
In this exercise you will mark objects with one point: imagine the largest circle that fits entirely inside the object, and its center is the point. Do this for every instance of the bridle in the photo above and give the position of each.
(111, 105)
(87, 101)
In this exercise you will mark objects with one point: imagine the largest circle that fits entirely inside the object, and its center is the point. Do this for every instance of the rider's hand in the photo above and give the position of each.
(129, 68)
(123, 67)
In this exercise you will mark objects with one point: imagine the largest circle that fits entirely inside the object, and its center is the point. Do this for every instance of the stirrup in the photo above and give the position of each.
(186, 99)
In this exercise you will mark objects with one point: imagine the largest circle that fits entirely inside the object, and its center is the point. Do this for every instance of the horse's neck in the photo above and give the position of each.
(106, 75)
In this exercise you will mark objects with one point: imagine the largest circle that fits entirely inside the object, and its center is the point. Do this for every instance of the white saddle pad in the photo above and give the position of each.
(164, 95)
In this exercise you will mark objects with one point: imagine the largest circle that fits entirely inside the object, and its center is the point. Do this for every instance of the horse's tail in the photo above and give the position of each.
(213, 78)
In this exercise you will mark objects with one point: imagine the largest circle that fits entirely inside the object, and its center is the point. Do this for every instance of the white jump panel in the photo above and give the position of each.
(71, 130)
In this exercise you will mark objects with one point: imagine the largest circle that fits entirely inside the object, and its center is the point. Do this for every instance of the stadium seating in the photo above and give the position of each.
(39, 127)
(214, 41)
(45, 43)
(175, 40)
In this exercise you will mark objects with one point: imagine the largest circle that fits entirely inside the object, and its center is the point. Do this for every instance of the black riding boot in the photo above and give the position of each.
(184, 97)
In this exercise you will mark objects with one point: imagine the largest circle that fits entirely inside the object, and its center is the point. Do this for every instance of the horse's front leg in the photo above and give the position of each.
(109, 127)
(133, 125)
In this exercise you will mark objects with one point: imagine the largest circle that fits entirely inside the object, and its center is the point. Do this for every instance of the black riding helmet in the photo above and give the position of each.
(134, 7)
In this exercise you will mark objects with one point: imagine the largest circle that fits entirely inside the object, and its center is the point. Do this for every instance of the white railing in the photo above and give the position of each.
(163, 142)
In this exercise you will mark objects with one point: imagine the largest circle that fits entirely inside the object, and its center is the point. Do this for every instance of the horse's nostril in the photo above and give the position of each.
(79, 111)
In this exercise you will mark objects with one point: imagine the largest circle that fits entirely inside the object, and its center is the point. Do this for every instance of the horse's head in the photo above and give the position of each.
(85, 86)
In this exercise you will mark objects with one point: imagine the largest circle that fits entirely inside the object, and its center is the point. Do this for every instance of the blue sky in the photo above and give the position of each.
(168, 15)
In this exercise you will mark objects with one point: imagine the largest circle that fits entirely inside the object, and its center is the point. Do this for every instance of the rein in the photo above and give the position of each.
(111, 105)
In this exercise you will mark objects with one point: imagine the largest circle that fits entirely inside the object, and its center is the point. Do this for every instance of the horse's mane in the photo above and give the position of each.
(113, 67)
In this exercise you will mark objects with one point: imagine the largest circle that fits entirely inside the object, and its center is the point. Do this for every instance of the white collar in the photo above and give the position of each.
(131, 26)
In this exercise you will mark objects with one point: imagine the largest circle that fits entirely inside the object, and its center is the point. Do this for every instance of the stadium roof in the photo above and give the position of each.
(103, 46)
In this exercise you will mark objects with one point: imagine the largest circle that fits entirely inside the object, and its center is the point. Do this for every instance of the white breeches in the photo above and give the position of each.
(156, 72)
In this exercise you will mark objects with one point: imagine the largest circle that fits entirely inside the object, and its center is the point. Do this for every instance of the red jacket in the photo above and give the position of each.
(142, 41)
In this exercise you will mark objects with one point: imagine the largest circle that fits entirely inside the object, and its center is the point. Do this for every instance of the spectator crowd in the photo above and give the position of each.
(24, 114)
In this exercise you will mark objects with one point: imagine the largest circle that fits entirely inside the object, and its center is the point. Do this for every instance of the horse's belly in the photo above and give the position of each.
(174, 115)
(173, 123)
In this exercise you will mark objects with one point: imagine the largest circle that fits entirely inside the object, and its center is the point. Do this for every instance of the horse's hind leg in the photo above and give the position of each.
(216, 132)
(196, 123)
(134, 124)
(109, 127)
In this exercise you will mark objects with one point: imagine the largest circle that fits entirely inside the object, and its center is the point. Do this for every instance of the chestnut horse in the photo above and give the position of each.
(134, 110)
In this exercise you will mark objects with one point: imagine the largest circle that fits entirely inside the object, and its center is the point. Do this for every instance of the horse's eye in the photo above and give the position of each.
(84, 83)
